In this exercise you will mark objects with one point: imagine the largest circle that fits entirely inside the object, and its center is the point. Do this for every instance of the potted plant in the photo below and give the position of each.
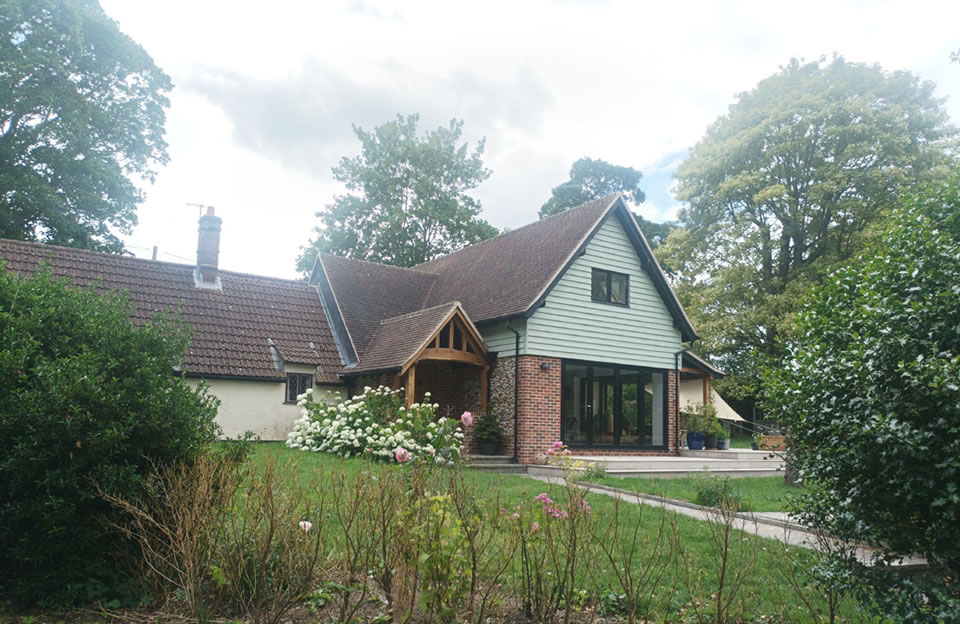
(487, 433)
(714, 431)
(698, 420)
(701, 420)
(723, 443)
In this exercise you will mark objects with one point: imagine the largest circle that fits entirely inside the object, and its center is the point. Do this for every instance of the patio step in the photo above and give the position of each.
(476, 460)
(504, 464)
(733, 463)
(728, 454)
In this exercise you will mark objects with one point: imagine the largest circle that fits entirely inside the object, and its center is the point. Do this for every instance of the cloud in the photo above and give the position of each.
(358, 7)
(305, 120)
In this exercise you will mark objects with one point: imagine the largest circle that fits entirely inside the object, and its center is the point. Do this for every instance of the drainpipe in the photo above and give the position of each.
(516, 393)
(677, 360)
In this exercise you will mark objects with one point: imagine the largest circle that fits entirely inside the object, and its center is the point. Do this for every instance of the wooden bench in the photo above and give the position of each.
(772, 443)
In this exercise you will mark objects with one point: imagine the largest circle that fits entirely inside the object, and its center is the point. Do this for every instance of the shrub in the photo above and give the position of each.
(713, 491)
(86, 398)
(871, 399)
(376, 423)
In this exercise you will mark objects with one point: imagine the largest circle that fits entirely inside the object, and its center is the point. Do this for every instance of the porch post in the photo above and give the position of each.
(411, 384)
(706, 389)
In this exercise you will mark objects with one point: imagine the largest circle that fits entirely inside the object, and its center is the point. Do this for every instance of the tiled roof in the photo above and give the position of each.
(502, 277)
(399, 338)
(505, 275)
(232, 328)
(692, 359)
(368, 292)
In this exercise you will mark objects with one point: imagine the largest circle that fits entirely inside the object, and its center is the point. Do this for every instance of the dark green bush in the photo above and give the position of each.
(86, 399)
(870, 396)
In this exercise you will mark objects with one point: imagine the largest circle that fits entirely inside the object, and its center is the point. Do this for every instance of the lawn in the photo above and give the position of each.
(756, 493)
(764, 588)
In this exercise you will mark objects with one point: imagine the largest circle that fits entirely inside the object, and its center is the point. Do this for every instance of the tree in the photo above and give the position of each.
(871, 399)
(81, 115)
(787, 184)
(592, 179)
(87, 399)
(407, 201)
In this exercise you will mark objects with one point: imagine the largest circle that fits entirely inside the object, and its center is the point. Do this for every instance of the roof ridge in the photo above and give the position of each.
(381, 264)
(137, 259)
(420, 312)
(613, 197)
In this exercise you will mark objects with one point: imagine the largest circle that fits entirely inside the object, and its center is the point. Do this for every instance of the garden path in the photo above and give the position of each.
(768, 524)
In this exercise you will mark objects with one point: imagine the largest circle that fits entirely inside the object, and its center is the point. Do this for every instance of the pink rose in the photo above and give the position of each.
(466, 419)
(558, 444)
(402, 454)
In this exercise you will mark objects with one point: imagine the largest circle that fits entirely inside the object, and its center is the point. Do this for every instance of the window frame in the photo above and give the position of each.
(617, 444)
(609, 279)
(296, 378)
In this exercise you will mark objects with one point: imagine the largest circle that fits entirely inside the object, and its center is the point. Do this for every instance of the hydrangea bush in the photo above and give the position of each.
(378, 424)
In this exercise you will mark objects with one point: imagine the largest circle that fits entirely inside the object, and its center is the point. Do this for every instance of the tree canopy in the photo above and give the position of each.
(592, 179)
(81, 120)
(787, 184)
(871, 398)
(407, 199)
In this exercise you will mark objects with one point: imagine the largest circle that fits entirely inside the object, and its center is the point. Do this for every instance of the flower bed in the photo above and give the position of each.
(377, 424)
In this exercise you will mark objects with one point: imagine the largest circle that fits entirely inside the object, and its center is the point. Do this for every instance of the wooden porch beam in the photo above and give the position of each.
(706, 390)
(411, 385)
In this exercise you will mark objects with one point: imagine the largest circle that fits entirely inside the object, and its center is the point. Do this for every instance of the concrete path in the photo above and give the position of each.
(771, 525)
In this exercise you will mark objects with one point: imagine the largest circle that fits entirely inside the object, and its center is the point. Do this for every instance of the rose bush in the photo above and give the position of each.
(376, 423)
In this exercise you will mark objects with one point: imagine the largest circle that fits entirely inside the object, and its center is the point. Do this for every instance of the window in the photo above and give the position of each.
(610, 287)
(608, 405)
(297, 384)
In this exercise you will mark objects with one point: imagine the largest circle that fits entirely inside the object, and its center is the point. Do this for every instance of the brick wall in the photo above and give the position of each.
(539, 410)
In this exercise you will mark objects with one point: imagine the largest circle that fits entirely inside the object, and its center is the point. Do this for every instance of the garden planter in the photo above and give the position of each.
(710, 441)
(723, 444)
(695, 441)
(488, 448)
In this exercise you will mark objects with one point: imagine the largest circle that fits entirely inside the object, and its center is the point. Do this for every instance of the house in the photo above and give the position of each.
(565, 329)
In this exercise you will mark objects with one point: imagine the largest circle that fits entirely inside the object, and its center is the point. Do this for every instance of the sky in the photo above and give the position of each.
(266, 94)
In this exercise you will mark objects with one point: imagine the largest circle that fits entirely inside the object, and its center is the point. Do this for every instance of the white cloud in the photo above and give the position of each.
(266, 93)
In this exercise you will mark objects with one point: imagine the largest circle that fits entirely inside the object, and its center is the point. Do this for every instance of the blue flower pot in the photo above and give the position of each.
(695, 441)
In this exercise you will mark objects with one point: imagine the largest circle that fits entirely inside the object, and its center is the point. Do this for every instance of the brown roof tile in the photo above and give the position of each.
(368, 292)
(398, 339)
(505, 275)
(231, 328)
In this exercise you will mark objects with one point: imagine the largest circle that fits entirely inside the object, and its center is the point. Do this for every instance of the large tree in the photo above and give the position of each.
(871, 399)
(81, 123)
(788, 183)
(407, 199)
(592, 179)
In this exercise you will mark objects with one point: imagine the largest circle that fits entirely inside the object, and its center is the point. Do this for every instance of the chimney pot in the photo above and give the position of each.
(208, 251)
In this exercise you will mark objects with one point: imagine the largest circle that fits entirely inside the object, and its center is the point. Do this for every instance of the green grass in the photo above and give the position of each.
(495, 491)
(757, 493)
(741, 443)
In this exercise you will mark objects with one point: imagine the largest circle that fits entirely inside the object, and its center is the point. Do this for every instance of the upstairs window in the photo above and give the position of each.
(610, 287)
(297, 384)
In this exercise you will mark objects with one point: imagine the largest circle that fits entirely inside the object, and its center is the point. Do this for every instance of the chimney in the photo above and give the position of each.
(208, 251)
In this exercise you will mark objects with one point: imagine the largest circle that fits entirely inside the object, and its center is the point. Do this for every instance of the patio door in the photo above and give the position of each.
(613, 406)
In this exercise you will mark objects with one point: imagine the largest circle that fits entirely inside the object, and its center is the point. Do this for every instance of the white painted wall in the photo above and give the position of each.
(256, 406)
